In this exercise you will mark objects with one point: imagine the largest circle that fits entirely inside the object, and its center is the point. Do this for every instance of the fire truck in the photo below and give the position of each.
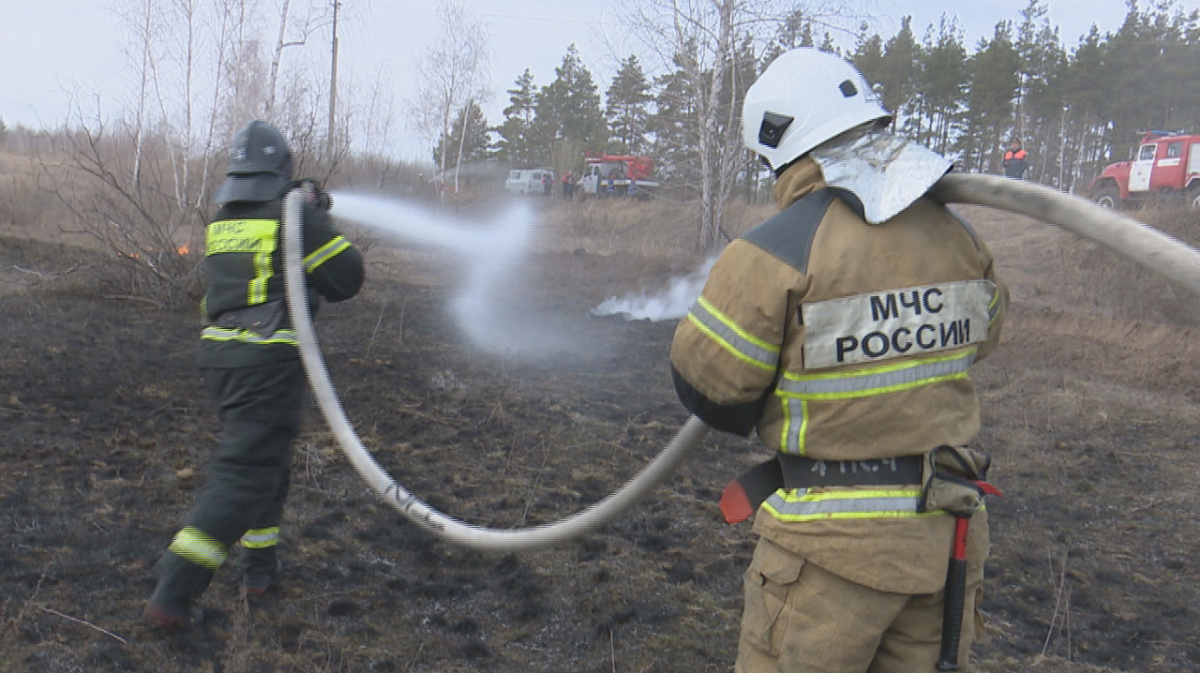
(1164, 163)
(626, 174)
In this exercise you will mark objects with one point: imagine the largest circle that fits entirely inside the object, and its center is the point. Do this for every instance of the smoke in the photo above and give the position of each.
(672, 303)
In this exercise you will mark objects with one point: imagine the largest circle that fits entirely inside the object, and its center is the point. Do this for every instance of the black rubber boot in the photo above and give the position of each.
(260, 570)
(171, 605)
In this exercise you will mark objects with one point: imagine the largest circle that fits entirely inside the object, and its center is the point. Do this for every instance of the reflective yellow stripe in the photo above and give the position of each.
(326, 252)
(283, 336)
(246, 236)
(798, 390)
(801, 505)
(795, 425)
(257, 237)
(196, 546)
(732, 337)
(877, 380)
(262, 274)
(260, 538)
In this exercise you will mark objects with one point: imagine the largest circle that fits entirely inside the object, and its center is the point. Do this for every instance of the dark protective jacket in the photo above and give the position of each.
(843, 341)
(244, 307)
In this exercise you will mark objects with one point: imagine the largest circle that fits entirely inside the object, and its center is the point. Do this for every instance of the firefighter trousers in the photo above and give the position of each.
(247, 480)
(801, 617)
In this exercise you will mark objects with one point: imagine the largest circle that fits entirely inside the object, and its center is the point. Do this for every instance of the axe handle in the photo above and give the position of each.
(955, 598)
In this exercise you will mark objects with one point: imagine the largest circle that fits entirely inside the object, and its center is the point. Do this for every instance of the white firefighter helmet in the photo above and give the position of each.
(804, 98)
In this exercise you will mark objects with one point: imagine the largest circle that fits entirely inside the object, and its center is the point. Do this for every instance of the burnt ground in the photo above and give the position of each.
(1092, 411)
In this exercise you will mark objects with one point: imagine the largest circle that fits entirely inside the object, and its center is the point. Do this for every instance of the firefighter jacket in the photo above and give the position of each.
(244, 307)
(843, 341)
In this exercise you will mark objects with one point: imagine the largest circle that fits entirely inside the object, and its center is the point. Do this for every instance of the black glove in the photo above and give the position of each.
(314, 195)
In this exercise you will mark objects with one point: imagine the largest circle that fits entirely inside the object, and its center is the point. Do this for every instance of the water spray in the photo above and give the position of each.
(1127, 237)
(409, 505)
(488, 275)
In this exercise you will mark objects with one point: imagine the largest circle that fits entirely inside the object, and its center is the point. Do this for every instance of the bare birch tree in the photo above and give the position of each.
(706, 41)
(452, 72)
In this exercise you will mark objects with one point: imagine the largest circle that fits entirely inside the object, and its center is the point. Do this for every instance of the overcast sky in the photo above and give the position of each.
(52, 47)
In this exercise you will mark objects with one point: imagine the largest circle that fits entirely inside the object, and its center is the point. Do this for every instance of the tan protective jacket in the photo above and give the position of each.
(840, 340)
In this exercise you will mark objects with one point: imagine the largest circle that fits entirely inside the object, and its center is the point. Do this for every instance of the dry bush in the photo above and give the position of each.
(145, 205)
(22, 203)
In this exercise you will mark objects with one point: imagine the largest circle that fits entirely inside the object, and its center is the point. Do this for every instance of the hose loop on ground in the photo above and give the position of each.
(413, 508)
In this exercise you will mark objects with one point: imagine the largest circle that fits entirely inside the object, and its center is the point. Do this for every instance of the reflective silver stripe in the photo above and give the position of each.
(793, 427)
(877, 380)
(801, 505)
(724, 329)
(335, 246)
(260, 538)
(283, 336)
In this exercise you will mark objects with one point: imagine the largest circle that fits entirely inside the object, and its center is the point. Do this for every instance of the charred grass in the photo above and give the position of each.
(1090, 412)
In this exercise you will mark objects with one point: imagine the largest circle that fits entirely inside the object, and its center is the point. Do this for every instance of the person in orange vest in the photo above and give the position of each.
(1016, 160)
(568, 185)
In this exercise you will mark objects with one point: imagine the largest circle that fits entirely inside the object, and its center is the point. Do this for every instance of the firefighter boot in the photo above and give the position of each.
(260, 570)
(170, 607)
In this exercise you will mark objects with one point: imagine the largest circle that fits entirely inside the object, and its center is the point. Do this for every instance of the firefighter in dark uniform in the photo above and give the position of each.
(843, 330)
(250, 359)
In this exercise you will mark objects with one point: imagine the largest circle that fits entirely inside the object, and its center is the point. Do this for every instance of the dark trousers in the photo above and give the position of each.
(247, 481)
(248, 478)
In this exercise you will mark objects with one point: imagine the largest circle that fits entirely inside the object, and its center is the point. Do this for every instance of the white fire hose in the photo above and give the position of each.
(1127, 237)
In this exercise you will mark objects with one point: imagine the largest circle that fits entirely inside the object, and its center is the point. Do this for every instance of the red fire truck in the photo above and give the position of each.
(1165, 163)
(624, 171)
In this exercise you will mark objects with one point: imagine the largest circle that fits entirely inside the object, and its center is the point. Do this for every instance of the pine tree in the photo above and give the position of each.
(898, 72)
(672, 127)
(868, 57)
(943, 83)
(516, 144)
(468, 140)
(628, 96)
(795, 31)
(994, 81)
(568, 109)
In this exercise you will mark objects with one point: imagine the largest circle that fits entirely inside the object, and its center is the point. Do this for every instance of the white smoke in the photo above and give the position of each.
(672, 303)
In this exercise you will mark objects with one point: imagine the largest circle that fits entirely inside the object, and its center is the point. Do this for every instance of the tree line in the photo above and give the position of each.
(1074, 107)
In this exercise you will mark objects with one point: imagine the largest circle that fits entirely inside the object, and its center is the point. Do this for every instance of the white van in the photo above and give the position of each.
(528, 181)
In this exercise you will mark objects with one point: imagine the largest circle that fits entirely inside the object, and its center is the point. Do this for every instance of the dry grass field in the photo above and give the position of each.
(1091, 408)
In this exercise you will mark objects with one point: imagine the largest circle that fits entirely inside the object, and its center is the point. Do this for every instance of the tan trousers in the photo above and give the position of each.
(800, 618)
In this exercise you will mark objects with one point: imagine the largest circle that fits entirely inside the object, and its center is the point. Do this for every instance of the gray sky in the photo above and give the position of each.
(53, 47)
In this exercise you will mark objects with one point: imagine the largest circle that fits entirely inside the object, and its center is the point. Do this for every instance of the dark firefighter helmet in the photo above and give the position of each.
(260, 165)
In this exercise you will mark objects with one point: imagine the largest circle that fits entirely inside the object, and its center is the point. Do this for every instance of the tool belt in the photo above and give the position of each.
(743, 495)
(801, 472)
(262, 319)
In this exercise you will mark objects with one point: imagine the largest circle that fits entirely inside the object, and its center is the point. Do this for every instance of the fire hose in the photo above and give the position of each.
(1127, 237)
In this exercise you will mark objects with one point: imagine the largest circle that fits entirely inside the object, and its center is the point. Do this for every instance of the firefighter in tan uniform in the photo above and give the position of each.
(843, 330)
